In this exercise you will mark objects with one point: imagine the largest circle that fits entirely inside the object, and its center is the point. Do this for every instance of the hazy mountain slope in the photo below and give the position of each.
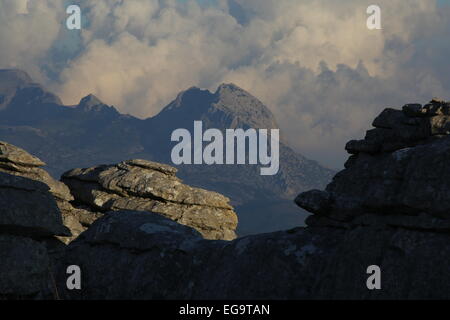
(256, 197)
(232, 107)
(92, 133)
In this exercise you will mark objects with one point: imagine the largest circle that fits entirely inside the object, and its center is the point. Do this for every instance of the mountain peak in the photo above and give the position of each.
(229, 87)
(193, 99)
(90, 101)
(247, 110)
(17, 87)
(228, 107)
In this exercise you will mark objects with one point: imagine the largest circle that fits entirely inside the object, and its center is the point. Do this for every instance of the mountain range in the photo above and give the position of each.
(93, 132)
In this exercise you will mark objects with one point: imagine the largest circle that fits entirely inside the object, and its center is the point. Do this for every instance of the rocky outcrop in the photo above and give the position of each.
(27, 207)
(149, 186)
(398, 175)
(18, 162)
(132, 255)
(131, 185)
(29, 217)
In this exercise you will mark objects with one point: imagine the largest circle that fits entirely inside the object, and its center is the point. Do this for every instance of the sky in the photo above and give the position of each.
(314, 63)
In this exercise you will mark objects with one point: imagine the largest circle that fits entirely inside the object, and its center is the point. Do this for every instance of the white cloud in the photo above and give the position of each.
(138, 55)
(28, 30)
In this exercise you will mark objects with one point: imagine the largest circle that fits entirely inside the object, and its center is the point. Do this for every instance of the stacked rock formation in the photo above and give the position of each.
(142, 185)
(18, 162)
(29, 216)
(398, 175)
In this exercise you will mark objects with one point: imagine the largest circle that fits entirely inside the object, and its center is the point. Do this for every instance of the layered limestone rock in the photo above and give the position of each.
(28, 207)
(131, 185)
(18, 162)
(142, 185)
(398, 175)
(29, 217)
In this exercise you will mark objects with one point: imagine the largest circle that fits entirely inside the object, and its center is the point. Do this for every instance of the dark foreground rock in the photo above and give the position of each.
(24, 267)
(132, 255)
(29, 219)
(27, 207)
(17, 162)
(403, 181)
(153, 187)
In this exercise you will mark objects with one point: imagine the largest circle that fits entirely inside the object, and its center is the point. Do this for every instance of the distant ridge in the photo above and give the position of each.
(229, 107)
(17, 88)
(10, 82)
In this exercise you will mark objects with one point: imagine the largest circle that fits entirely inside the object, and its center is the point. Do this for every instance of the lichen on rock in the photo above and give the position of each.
(140, 185)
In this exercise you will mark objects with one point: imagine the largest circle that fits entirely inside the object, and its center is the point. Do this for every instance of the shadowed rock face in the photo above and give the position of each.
(18, 162)
(398, 175)
(133, 255)
(29, 218)
(149, 186)
(24, 267)
(27, 207)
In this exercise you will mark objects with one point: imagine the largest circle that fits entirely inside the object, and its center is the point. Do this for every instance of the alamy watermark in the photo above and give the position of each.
(239, 146)
(374, 20)
(74, 280)
(73, 22)
(374, 281)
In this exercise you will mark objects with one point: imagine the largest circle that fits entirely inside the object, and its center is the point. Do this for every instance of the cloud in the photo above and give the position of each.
(314, 63)
(28, 30)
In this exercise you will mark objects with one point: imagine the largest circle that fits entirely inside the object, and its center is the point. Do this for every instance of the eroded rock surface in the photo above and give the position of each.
(133, 255)
(398, 175)
(142, 185)
(29, 218)
(28, 207)
(24, 267)
(18, 162)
